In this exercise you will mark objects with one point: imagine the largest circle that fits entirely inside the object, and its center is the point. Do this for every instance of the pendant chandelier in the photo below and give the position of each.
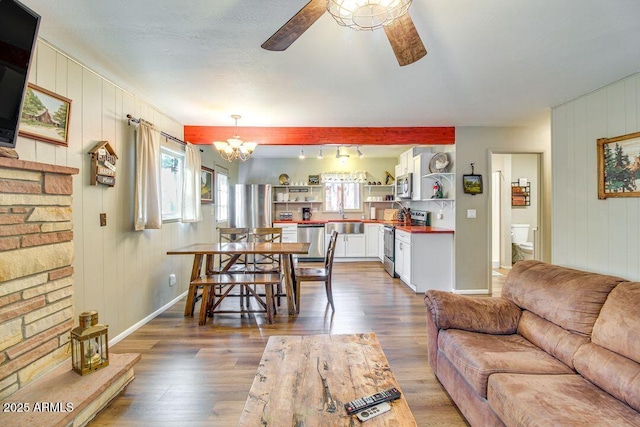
(234, 148)
(367, 14)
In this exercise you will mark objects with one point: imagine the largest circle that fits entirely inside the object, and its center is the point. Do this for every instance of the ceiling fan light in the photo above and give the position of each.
(367, 14)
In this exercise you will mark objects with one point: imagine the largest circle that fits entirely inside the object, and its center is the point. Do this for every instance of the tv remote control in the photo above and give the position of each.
(374, 411)
(365, 402)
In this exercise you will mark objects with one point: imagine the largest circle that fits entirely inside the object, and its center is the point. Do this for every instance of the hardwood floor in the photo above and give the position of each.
(194, 375)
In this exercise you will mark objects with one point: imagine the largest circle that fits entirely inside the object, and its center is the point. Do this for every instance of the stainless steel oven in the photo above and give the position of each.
(389, 250)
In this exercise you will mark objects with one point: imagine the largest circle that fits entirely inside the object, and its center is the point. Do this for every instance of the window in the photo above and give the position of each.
(342, 195)
(222, 197)
(171, 177)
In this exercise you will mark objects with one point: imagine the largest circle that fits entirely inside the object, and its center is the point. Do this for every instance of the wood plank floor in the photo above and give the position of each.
(194, 375)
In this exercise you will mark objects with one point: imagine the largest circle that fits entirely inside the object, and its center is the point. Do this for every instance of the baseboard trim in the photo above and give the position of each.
(146, 320)
(471, 291)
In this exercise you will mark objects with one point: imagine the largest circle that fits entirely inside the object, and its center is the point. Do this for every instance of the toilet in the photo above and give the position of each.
(521, 248)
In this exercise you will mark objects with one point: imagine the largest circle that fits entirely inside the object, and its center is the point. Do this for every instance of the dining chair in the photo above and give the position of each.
(267, 263)
(317, 274)
(232, 235)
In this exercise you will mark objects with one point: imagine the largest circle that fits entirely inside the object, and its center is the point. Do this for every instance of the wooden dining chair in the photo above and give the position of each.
(232, 235)
(267, 263)
(317, 274)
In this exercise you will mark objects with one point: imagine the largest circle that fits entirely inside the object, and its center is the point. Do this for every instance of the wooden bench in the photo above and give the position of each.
(211, 297)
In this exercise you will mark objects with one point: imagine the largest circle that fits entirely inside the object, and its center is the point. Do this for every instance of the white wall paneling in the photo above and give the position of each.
(119, 272)
(592, 234)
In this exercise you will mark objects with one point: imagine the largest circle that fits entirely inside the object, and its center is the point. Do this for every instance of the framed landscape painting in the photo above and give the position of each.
(472, 184)
(206, 185)
(45, 116)
(619, 166)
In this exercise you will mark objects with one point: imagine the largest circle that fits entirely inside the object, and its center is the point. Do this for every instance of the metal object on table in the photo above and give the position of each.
(328, 399)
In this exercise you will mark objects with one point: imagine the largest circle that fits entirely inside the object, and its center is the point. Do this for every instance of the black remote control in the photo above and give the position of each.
(369, 401)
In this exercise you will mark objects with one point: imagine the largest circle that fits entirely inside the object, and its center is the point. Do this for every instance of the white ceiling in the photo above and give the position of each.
(490, 62)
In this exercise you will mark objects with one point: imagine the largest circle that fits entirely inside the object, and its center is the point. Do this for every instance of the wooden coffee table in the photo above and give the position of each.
(288, 390)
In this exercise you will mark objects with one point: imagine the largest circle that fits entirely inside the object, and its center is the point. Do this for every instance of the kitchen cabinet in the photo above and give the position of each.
(403, 257)
(405, 164)
(350, 246)
(289, 232)
(425, 260)
(381, 242)
(371, 239)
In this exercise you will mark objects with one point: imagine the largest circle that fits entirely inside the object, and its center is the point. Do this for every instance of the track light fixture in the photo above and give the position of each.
(360, 155)
(301, 156)
(320, 154)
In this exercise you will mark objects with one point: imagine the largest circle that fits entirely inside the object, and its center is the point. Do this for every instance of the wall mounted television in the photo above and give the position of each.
(18, 34)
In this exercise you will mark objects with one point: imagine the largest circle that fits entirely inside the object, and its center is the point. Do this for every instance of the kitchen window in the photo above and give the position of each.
(171, 181)
(342, 196)
(222, 197)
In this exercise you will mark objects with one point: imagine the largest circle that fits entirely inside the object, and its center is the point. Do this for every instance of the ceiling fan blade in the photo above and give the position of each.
(405, 41)
(301, 21)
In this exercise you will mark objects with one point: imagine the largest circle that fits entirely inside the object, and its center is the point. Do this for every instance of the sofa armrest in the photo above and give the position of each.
(476, 314)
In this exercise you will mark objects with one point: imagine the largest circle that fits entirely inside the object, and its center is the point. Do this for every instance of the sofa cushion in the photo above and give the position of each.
(571, 299)
(550, 337)
(610, 371)
(618, 326)
(555, 400)
(476, 356)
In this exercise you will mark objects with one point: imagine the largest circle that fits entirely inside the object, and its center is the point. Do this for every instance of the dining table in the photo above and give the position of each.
(206, 252)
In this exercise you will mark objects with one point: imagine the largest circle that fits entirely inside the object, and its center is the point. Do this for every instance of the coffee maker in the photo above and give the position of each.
(306, 214)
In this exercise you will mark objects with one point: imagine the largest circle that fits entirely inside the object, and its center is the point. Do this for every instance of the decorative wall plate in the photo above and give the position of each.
(439, 163)
(284, 179)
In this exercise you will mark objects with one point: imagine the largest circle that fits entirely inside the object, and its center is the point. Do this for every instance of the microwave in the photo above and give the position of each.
(404, 184)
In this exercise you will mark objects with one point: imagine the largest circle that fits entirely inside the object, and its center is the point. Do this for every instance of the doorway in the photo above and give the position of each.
(516, 209)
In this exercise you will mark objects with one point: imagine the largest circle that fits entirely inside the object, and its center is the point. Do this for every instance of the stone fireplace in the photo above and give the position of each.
(36, 273)
(36, 304)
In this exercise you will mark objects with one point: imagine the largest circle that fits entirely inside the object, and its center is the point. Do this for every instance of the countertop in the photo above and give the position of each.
(398, 225)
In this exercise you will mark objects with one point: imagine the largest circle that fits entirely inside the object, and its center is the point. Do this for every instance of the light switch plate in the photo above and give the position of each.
(471, 213)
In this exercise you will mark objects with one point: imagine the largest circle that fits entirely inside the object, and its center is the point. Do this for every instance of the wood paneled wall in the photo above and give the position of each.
(592, 234)
(119, 272)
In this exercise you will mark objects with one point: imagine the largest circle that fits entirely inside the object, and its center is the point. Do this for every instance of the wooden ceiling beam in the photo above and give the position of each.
(324, 135)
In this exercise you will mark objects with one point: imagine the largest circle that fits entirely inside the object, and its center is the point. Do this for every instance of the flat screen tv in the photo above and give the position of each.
(18, 33)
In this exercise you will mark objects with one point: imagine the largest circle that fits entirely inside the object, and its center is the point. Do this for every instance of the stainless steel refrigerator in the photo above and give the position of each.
(251, 206)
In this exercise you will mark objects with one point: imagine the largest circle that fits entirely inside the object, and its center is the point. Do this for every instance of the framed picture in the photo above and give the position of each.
(206, 185)
(619, 166)
(314, 179)
(472, 184)
(45, 116)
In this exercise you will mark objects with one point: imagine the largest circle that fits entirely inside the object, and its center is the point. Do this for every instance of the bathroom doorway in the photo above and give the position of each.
(516, 206)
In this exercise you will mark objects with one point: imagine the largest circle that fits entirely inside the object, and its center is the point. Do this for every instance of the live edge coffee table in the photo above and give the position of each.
(288, 390)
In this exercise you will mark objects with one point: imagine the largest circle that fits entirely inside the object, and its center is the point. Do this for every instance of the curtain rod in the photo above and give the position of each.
(166, 135)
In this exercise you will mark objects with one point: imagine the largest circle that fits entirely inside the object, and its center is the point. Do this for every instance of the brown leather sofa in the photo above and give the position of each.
(560, 347)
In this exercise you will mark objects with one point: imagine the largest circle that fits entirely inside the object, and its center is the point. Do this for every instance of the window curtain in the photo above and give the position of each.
(191, 211)
(148, 207)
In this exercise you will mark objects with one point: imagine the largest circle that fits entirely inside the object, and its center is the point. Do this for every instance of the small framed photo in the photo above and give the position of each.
(314, 179)
(45, 116)
(206, 185)
(472, 184)
(619, 166)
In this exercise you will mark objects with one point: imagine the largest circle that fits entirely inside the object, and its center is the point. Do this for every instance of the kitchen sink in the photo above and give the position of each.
(345, 227)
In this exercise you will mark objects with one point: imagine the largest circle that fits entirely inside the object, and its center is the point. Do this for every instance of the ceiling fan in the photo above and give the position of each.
(392, 15)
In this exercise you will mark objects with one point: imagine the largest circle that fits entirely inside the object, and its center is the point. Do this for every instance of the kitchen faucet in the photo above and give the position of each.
(341, 211)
